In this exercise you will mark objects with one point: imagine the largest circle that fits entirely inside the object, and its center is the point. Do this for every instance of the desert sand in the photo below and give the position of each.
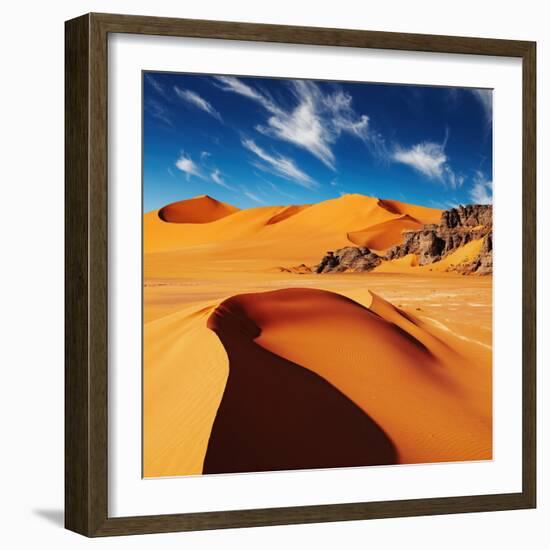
(250, 367)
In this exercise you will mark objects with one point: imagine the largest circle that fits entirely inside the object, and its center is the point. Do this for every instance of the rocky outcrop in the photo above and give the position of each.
(458, 226)
(431, 243)
(350, 258)
(472, 215)
(483, 264)
(301, 269)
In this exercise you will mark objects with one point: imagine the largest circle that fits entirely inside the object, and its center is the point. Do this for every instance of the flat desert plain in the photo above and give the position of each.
(255, 362)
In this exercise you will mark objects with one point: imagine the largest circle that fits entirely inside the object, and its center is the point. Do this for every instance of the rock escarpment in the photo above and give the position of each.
(483, 264)
(350, 258)
(457, 227)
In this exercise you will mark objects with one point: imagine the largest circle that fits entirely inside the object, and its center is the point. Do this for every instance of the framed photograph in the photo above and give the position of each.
(300, 275)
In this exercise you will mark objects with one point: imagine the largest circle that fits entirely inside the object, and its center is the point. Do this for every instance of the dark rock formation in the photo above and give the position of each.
(471, 215)
(425, 243)
(350, 258)
(457, 227)
(301, 269)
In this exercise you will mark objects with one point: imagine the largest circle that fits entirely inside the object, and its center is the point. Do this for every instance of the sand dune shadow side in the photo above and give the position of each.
(277, 415)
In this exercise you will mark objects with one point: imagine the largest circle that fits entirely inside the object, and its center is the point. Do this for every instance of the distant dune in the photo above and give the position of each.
(201, 209)
(381, 236)
(286, 213)
(300, 233)
(423, 214)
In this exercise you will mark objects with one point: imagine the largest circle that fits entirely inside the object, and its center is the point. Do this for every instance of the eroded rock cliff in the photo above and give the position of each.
(457, 227)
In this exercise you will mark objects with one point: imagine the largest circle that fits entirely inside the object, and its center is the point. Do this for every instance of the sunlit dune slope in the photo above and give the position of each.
(337, 217)
(277, 415)
(244, 224)
(417, 387)
(384, 235)
(261, 239)
(399, 265)
(423, 214)
(348, 214)
(202, 209)
(286, 213)
(185, 370)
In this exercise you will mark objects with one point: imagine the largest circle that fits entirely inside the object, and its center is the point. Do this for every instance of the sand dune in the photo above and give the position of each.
(201, 209)
(287, 213)
(404, 378)
(184, 375)
(277, 415)
(244, 224)
(423, 214)
(326, 224)
(381, 236)
(399, 265)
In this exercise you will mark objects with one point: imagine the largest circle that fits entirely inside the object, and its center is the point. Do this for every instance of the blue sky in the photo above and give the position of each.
(265, 141)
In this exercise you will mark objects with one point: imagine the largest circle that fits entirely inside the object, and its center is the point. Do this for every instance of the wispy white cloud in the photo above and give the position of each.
(485, 98)
(453, 179)
(282, 166)
(429, 159)
(156, 85)
(157, 110)
(314, 122)
(218, 179)
(252, 196)
(188, 166)
(482, 189)
(303, 125)
(204, 155)
(233, 84)
(197, 101)
(274, 187)
(446, 204)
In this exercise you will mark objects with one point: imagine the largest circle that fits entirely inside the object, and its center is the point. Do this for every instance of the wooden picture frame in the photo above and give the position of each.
(86, 218)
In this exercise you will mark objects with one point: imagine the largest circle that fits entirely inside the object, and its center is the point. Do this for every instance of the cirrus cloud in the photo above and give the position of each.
(253, 197)
(482, 189)
(315, 121)
(188, 166)
(429, 159)
(218, 179)
(282, 166)
(197, 101)
(485, 99)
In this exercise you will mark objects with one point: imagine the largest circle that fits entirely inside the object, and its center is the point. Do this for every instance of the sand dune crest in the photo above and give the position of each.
(381, 236)
(201, 209)
(277, 415)
(387, 363)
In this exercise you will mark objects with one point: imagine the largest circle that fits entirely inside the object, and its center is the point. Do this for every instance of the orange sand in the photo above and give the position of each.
(403, 357)
(384, 235)
(202, 209)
